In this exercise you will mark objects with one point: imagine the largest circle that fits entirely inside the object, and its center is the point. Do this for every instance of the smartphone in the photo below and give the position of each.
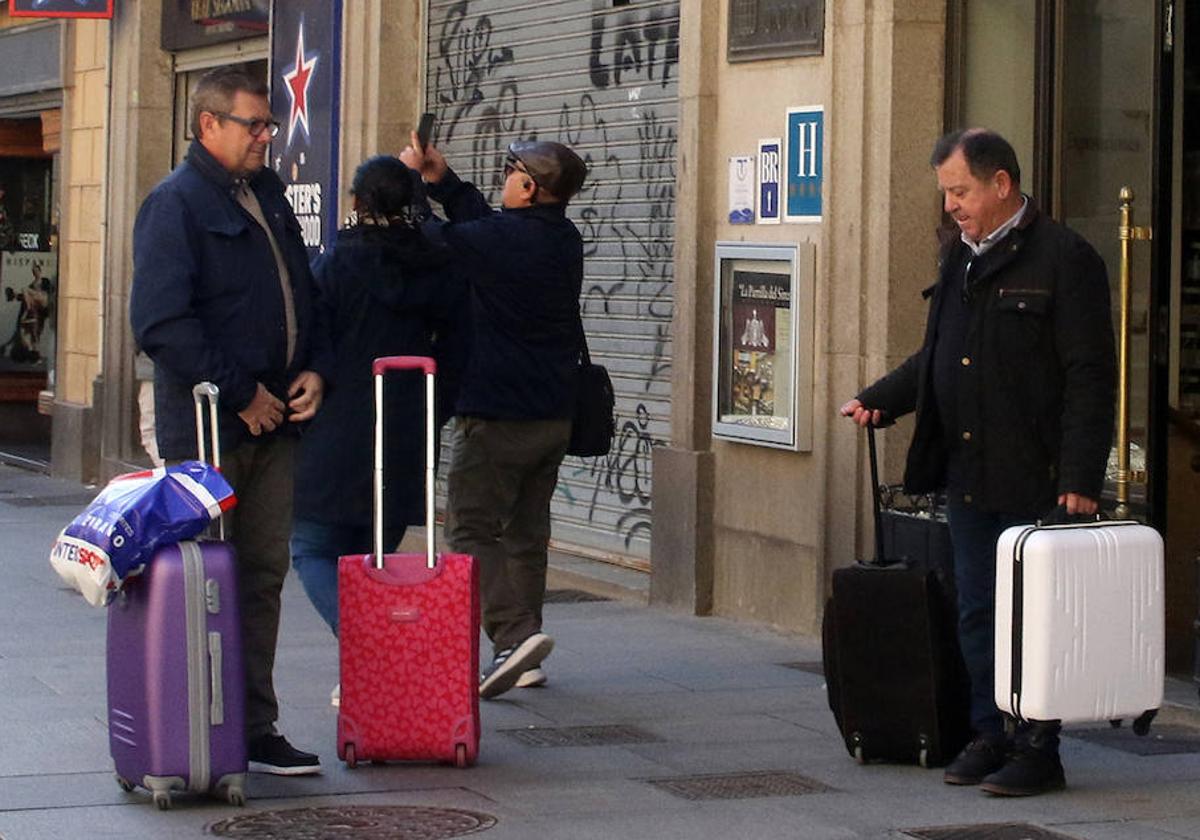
(425, 129)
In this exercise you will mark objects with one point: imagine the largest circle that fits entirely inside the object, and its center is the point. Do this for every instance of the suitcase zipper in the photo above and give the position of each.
(195, 609)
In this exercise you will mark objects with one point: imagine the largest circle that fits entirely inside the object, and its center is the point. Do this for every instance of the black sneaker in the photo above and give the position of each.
(1026, 772)
(982, 756)
(271, 753)
(508, 665)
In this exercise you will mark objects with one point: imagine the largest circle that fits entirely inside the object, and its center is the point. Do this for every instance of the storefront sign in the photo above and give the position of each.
(770, 162)
(763, 344)
(775, 29)
(741, 190)
(61, 8)
(805, 173)
(197, 23)
(305, 98)
(28, 297)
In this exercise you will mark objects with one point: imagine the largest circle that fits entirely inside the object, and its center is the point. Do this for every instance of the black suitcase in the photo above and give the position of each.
(896, 681)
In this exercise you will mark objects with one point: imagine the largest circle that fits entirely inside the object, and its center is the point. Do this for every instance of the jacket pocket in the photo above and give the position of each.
(1021, 319)
(227, 255)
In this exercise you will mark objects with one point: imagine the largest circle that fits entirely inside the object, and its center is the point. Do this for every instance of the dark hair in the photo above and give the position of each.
(385, 187)
(216, 89)
(985, 152)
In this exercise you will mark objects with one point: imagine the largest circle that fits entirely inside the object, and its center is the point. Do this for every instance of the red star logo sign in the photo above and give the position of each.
(296, 84)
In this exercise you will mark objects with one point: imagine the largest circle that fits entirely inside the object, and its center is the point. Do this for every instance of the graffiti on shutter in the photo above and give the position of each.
(604, 81)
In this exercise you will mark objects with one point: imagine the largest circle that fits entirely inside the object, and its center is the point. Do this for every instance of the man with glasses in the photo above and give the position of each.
(222, 292)
(525, 267)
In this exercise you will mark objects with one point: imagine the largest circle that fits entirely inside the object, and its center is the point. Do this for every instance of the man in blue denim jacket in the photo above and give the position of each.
(222, 292)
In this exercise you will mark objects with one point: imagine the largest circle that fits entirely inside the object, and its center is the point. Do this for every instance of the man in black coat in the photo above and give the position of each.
(525, 268)
(1013, 390)
(222, 292)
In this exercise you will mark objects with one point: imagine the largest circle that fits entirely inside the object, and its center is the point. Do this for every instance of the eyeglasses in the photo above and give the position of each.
(255, 126)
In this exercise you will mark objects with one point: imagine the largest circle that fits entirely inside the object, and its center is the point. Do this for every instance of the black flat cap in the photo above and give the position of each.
(555, 168)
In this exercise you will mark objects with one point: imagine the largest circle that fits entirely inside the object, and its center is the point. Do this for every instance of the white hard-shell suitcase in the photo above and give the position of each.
(1079, 622)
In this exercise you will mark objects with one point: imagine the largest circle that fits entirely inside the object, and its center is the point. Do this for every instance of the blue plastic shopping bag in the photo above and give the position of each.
(131, 518)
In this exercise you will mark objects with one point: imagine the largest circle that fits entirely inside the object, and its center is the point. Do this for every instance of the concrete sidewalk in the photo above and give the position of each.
(691, 697)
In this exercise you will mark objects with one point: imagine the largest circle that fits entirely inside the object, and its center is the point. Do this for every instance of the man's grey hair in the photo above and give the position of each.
(215, 91)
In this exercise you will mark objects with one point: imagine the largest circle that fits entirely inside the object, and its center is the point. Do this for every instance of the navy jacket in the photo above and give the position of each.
(1037, 387)
(525, 268)
(381, 292)
(206, 302)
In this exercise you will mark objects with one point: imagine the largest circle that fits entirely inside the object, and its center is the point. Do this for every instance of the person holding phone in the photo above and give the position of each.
(524, 264)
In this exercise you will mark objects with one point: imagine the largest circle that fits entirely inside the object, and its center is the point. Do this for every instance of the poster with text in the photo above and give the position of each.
(760, 329)
(28, 301)
(305, 61)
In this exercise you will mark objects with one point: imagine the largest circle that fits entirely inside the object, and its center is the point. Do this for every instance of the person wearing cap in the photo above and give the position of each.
(524, 264)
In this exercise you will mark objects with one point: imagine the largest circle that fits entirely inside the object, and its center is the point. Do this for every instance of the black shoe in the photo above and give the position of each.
(271, 753)
(982, 756)
(1026, 772)
(508, 665)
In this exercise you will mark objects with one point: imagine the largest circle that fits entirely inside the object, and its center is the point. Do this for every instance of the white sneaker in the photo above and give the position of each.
(335, 696)
(533, 678)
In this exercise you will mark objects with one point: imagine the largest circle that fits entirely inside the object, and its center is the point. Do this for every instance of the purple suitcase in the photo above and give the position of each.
(176, 690)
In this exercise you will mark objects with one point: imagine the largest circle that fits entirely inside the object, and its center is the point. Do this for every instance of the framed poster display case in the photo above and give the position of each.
(763, 344)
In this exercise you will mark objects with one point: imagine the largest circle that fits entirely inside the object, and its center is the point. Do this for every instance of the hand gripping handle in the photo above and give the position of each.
(379, 368)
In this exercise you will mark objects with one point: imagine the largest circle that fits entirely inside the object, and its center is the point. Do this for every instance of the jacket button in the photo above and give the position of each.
(966, 360)
(966, 435)
(1021, 304)
(967, 498)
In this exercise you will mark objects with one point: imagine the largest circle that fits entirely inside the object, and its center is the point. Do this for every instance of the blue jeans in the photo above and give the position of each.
(973, 534)
(316, 547)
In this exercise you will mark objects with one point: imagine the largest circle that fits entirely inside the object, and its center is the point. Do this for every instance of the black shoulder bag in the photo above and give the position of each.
(593, 424)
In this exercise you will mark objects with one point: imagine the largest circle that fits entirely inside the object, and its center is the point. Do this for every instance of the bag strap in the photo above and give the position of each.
(585, 358)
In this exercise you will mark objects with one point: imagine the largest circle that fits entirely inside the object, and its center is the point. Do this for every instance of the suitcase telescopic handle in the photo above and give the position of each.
(210, 393)
(429, 367)
(876, 496)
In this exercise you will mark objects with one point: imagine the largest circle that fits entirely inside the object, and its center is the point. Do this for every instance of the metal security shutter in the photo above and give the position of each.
(601, 76)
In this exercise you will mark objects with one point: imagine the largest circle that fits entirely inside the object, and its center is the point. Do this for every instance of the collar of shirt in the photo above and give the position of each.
(999, 233)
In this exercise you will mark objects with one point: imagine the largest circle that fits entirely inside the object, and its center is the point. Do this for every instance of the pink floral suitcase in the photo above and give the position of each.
(408, 633)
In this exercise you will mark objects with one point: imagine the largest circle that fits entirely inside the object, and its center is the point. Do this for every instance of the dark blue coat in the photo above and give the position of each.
(206, 302)
(525, 268)
(381, 292)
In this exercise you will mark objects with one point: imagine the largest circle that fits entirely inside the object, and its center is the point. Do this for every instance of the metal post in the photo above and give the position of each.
(1127, 232)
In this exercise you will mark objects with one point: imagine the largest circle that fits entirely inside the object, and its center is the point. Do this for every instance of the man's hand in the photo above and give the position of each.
(264, 413)
(305, 395)
(429, 163)
(1075, 503)
(860, 414)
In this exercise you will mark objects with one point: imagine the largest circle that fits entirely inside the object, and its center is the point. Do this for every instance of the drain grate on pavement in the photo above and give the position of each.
(751, 785)
(398, 822)
(817, 668)
(581, 736)
(571, 596)
(987, 831)
(73, 500)
(1162, 740)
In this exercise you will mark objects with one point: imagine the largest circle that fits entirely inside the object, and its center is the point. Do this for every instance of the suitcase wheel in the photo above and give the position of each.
(125, 784)
(162, 800)
(1115, 723)
(236, 796)
(859, 755)
(923, 755)
(350, 758)
(460, 755)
